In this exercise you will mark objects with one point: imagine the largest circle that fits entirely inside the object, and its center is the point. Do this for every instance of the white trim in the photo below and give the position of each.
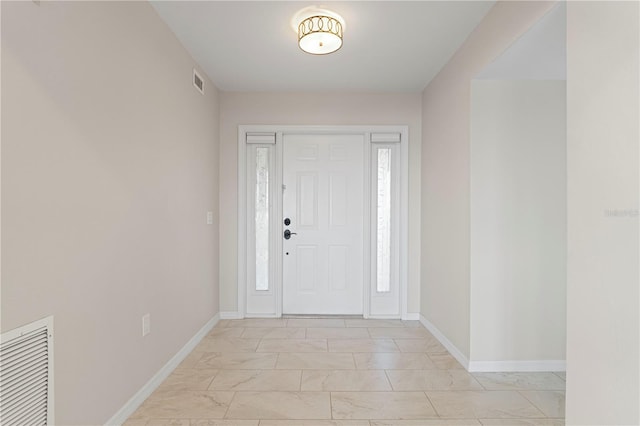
(411, 316)
(365, 130)
(453, 350)
(278, 225)
(367, 236)
(404, 222)
(386, 137)
(261, 138)
(231, 315)
(241, 281)
(136, 400)
(261, 316)
(510, 366)
(492, 366)
(384, 317)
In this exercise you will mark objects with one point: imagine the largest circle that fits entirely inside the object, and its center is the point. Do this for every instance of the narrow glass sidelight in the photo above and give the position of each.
(262, 218)
(383, 237)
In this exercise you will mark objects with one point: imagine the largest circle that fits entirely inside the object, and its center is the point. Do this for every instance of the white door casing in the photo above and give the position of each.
(389, 303)
(323, 195)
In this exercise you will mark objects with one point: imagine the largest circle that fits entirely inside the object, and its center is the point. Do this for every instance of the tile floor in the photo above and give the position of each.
(342, 372)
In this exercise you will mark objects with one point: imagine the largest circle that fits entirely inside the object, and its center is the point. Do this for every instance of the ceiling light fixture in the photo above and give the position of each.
(319, 30)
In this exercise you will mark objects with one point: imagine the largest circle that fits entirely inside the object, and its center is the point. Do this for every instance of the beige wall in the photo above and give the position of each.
(518, 222)
(318, 109)
(445, 276)
(109, 165)
(603, 376)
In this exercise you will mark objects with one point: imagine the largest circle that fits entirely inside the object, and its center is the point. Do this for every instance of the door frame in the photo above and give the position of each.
(279, 131)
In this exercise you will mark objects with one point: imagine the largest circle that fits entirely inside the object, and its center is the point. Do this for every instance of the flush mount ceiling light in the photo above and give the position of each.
(319, 30)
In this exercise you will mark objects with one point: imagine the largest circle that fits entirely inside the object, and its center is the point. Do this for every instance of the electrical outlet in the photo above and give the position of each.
(209, 218)
(146, 324)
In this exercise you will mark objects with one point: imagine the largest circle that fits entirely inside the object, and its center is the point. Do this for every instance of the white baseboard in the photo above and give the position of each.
(510, 366)
(136, 400)
(453, 350)
(412, 316)
(258, 316)
(493, 366)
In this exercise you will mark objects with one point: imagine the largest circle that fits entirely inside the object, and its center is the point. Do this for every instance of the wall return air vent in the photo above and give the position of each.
(26, 375)
(198, 81)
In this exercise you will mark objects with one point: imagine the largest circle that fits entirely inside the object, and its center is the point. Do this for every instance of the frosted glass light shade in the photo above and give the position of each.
(320, 34)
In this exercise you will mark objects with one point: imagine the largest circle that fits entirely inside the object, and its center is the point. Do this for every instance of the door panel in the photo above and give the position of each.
(307, 200)
(323, 177)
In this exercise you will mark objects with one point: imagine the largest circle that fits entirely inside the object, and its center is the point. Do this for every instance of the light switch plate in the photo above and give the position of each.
(209, 218)
(146, 324)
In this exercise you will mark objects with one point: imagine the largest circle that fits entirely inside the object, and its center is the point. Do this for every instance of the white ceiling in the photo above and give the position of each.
(389, 46)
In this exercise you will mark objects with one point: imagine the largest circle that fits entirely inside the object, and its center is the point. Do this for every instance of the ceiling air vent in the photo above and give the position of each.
(198, 82)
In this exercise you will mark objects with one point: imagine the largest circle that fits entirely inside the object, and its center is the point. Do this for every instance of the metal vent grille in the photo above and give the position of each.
(26, 375)
(198, 82)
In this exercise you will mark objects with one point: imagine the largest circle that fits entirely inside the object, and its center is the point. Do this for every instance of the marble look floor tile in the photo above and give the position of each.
(393, 361)
(239, 360)
(314, 423)
(223, 382)
(315, 361)
(412, 324)
(257, 380)
(258, 322)
(398, 333)
(188, 379)
(292, 345)
(362, 345)
(482, 404)
(444, 361)
(373, 323)
(520, 381)
(522, 422)
(275, 333)
(226, 332)
(191, 360)
(551, 403)
(315, 322)
(426, 422)
(135, 422)
(169, 422)
(344, 380)
(185, 405)
(429, 345)
(227, 344)
(381, 405)
(337, 333)
(222, 422)
(280, 405)
(416, 380)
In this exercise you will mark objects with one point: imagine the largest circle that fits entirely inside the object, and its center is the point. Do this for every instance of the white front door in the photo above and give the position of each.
(323, 190)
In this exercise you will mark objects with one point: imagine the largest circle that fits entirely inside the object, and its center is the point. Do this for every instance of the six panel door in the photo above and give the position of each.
(323, 199)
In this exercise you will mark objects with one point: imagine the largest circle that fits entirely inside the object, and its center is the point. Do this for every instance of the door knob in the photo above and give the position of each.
(288, 234)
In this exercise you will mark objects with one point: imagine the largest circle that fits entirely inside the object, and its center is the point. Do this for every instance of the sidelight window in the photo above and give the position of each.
(383, 223)
(262, 202)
